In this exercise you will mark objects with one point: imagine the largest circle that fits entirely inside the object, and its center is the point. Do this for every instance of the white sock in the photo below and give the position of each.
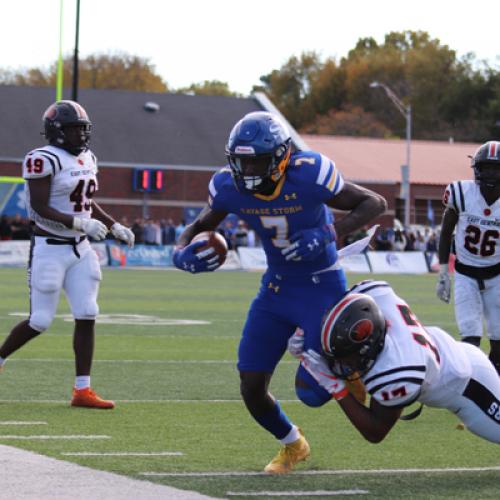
(292, 436)
(82, 382)
(2, 361)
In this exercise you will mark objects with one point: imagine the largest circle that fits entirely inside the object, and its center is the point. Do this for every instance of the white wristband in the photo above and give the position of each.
(443, 268)
(77, 223)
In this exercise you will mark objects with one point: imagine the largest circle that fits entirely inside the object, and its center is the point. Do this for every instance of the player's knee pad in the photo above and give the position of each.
(470, 328)
(308, 390)
(82, 286)
(47, 277)
(88, 309)
(472, 340)
(40, 320)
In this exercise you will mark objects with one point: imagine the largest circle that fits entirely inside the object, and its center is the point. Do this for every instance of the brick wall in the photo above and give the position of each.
(190, 188)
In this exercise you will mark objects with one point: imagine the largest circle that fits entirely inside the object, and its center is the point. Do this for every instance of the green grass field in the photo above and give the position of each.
(177, 390)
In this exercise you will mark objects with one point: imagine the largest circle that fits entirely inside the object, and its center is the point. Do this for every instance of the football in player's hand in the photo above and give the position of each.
(215, 241)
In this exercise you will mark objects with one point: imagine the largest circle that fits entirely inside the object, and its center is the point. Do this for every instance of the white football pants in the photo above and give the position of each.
(478, 407)
(473, 304)
(57, 267)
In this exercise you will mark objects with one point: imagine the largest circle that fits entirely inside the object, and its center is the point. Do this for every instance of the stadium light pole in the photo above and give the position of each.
(406, 112)
(74, 90)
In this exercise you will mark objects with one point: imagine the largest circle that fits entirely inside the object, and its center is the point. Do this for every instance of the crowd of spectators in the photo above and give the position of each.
(397, 239)
(14, 228)
(166, 232)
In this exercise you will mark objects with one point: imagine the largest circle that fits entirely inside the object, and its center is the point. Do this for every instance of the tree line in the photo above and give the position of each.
(450, 97)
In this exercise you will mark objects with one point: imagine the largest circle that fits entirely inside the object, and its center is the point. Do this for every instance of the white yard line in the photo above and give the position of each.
(145, 361)
(317, 493)
(30, 476)
(123, 454)
(322, 472)
(21, 422)
(127, 401)
(49, 437)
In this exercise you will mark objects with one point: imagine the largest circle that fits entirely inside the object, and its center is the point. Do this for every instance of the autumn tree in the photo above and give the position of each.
(99, 71)
(450, 97)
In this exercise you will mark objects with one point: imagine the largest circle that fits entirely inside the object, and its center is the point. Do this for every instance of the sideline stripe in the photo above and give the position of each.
(124, 454)
(322, 472)
(20, 422)
(58, 401)
(318, 493)
(150, 361)
(47, 437)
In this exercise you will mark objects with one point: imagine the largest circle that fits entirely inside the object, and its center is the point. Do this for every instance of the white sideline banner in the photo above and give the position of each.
(252, 258)
(398, 262)
(232, 262)
(357, 263)
(14, 253)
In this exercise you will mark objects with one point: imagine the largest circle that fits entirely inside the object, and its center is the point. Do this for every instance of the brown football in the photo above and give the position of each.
(216, 241)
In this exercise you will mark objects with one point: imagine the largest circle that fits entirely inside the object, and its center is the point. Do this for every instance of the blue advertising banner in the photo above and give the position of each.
(12, 199)
(140, 255)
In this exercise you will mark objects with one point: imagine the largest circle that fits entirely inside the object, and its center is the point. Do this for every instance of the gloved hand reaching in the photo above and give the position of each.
(316, 365)
(309, 243)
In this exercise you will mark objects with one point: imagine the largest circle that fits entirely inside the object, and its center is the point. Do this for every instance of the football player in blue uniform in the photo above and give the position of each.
(285, 197)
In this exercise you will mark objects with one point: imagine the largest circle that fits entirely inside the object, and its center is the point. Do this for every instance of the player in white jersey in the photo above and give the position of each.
(373, 333)
(61, 180)
(473, 211)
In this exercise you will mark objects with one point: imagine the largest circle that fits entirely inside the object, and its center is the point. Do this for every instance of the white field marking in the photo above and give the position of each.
(128, 319)
(124, 454)
(146, 361)
(48, 437)
(318, 493)
(21, 422)
(323, 472)
(51, 478)
(121, 401)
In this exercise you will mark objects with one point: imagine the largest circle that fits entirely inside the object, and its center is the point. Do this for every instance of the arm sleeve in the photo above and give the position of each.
(319, 173)
(452, 196)
(216, 190)
(329, 181)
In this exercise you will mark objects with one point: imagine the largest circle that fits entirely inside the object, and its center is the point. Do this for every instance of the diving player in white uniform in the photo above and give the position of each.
(61, 180)
(473, 211)
(373, 333)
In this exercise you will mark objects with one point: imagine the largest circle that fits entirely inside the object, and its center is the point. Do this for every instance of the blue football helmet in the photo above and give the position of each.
(258, 151)
(486, 164)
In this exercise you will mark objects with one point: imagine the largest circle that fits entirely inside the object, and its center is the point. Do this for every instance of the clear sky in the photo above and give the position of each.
(235, 41)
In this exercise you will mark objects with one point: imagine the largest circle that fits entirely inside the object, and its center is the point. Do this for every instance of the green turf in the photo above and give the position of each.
(177, 390)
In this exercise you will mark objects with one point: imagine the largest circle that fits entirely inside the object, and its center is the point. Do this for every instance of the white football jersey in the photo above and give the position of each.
(73, 183)
(417, 363)
(478, 227)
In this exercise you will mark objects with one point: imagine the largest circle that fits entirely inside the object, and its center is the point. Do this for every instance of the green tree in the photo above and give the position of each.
(208, 87)
(289, 87)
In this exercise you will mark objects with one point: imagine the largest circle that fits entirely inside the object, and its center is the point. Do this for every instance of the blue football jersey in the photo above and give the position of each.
(298, 203)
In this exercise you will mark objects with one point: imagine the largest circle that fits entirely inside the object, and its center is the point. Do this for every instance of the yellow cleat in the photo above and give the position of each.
(288, 456)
